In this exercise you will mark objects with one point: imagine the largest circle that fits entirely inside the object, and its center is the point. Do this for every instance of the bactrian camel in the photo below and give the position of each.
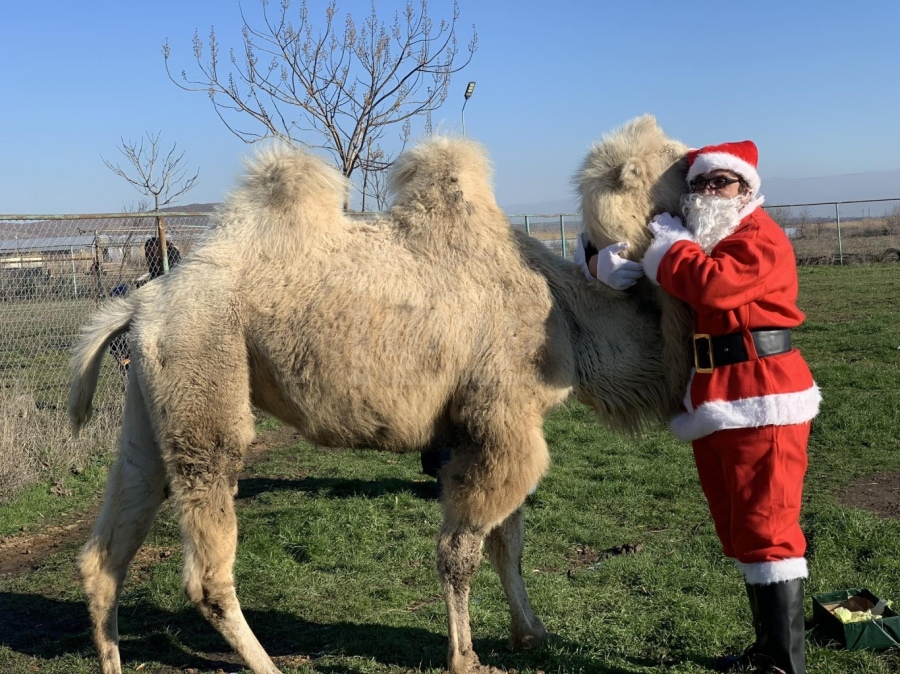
(438, 325)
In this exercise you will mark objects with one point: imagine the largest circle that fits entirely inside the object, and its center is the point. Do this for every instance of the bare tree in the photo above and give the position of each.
(344, 88)
(132, 226)
(892, 219)
(378, 189)
(802, 221)
(783, 215)
(160, 178)
(142, 205)
(374, 180)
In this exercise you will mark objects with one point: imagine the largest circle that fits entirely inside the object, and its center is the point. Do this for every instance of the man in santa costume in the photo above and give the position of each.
(751, 397)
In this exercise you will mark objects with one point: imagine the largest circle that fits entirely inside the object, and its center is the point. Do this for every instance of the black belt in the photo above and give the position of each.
(711, 352)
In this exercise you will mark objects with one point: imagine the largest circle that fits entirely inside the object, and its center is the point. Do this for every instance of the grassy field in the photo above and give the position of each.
(335, 566)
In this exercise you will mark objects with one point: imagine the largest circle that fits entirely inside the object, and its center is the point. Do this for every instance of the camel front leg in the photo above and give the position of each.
(458, 557)
(504, 547)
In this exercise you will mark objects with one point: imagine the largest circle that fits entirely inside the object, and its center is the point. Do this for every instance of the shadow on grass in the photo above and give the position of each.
(336, 487)
(44, 628)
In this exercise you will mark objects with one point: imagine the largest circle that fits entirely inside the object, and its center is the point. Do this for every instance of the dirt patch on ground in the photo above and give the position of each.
(23, 552)
(878, 493)
(584, 557)
(26, 550)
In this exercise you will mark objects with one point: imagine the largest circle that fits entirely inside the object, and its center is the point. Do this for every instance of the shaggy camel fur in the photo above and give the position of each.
(631, 175)
(444, 327)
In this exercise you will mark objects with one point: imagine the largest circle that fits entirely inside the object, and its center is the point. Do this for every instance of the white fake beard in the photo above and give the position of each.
(710, 218)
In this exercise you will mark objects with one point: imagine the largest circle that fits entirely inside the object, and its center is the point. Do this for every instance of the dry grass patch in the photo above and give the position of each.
(36, 444)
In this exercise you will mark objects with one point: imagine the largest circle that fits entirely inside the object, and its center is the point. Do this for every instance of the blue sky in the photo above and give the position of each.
(814, 84)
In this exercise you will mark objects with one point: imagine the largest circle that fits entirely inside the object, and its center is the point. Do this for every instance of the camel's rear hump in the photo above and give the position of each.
(442, 188)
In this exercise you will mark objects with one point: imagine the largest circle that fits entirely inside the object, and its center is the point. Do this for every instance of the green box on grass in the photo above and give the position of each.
(873, 635)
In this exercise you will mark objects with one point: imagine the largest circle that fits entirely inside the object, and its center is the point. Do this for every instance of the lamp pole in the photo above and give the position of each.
(470, 88)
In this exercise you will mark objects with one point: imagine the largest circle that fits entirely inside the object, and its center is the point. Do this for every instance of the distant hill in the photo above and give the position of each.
(190, 208)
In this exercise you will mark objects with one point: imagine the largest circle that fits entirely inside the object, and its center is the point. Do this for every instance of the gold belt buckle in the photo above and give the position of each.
(712, 365)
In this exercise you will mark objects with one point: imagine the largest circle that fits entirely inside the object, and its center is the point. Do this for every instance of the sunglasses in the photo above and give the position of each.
(717, 183)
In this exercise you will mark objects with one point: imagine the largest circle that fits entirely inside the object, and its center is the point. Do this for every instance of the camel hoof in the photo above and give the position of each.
(529, 641)
(470, 664)
(478, 668)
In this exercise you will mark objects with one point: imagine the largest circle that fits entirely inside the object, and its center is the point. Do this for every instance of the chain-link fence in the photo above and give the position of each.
(843, 232)
(55, 271)
(558, 232)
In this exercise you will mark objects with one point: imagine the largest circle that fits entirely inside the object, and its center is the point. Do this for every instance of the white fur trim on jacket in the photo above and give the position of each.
(751, 206)
(767, 573)
(778, 409)
(711, 161)
(658, 249)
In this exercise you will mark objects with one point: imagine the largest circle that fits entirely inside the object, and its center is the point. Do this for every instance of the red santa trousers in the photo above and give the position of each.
(753, 482)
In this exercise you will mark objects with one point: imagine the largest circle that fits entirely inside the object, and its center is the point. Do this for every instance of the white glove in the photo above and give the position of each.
(664, 222)
(580, 258)
(614, 270)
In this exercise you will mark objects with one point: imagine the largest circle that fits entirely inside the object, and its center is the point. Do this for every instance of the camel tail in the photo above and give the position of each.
(87, 357)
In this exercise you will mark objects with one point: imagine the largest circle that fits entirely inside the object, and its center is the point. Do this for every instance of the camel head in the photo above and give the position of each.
(630, 175)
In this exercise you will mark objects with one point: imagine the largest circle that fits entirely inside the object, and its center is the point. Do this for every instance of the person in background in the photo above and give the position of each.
(118, 347)
(751, 398)
(153, 255)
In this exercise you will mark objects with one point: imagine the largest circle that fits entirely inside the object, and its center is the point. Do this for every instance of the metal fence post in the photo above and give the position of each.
(164, 249)
(74, 279)
(98, 270)
(562, 234)
(837, 212)
(527, 226)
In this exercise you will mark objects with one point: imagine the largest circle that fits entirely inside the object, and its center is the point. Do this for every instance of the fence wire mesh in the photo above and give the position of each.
(844, 232)
(55, 271)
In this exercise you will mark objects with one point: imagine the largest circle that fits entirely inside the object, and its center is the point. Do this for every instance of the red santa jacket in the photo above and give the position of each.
(748, 281)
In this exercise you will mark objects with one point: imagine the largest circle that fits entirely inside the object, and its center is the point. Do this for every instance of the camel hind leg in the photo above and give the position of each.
(485, 484)
(205, 437)
(209, 530)
(135, 489)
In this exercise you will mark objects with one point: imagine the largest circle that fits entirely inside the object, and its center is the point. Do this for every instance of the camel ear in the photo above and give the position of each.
(673, 150)
(630, 175)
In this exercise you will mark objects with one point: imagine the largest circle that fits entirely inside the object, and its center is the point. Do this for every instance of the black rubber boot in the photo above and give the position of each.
(782, 638)
(736, 663)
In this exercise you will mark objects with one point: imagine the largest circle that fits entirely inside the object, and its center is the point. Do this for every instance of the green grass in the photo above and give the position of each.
(335, 565)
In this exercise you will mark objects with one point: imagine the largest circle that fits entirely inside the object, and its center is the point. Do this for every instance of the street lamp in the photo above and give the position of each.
(469, 89)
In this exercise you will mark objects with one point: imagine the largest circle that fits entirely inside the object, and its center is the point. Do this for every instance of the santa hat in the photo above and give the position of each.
(741, 158)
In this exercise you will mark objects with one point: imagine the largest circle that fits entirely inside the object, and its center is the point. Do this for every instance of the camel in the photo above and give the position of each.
(438, 325)
(631, 175)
